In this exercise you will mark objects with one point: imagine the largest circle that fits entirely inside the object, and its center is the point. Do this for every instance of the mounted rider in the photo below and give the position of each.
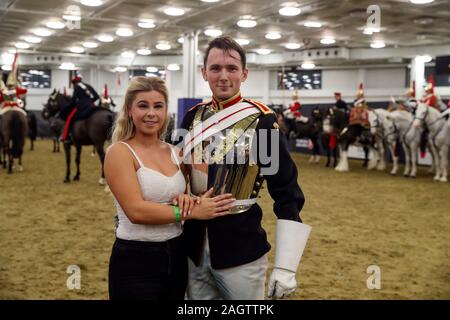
(83, 100)
(359, 114)
(12, 95)
(105, 100)
(293, 112)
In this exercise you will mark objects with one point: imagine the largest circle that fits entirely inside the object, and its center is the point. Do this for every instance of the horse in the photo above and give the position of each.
(312, 130)
(335, 120)
(438, 138)
(32, 128)
(384, 130)
(409, 137)
(94, 130)
(50, 113)
(14, 129)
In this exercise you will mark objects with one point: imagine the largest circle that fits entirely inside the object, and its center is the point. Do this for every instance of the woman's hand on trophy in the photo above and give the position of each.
(211, 207)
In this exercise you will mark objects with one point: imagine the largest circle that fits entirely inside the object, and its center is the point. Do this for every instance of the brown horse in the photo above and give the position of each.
(14, 129)
(93, 130)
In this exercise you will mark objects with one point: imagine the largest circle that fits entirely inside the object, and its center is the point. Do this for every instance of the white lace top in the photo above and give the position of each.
(155, 187)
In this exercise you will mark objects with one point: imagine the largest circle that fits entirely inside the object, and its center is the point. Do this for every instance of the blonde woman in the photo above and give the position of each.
(148, 259)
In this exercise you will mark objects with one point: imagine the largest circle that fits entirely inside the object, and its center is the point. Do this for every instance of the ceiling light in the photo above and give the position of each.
(242, 42)
(308, 65)
(90, 44)
(210, 1)
(91, 3)
(120, 69)
(32, 39)
(246, 23)
(76, 49)
(55, 24)
(377, 44)
(180, 40)
(7, 58)
(273, 35)
(71, 17)
(146, 24)
(124, 32)
(152, 69)
(312, 24)
(425, 58)
(327, 41)
(163, 46)
(22, 45)
(292, 46)
(6, 68)
(67, 66)
(213, 32)
(263, 51)
(105, 38)
(41, 32)
(127, 54)
(289, 10)
(174, 11)
(173, 67)
(421, 1)
(13, 51)
(144, 51)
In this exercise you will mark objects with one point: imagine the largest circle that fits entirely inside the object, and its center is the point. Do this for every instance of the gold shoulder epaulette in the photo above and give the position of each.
(264, 109)
(200, 104)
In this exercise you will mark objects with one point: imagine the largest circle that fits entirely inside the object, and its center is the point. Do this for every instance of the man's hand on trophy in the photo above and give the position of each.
(282, 283)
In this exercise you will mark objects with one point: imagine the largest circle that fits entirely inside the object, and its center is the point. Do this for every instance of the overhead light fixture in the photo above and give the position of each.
(175, 12)
(6, 67)
(13, 51)
(32, 39)
(91, 3)
(152, 69)
(76, 49)
(120, 69)
(327, 41)
(377, 44)
(180, 40)
(246, 23)
(55, 24)
(163, 46)
(425, 58)
(421, 1)
(308, 65)
(67, 66)
(173, 67)
(213, 32)
(210, 1)
(312, 24)
(292, 46)
(273, 35)
(289, 9)
(105, 38)
(263, 51)
(90, 44)
(146, 24)
(7, 58)
(71, 17)
(42, 32)
(370, 31)
(22, 45)
(242, 42)
(144, 51)
(127, 54)
(124, 32)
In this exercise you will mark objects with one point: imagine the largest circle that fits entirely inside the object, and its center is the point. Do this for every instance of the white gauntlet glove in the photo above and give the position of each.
(290, 243)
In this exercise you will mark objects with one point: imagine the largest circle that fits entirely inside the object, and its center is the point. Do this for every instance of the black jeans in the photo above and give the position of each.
(148, 270)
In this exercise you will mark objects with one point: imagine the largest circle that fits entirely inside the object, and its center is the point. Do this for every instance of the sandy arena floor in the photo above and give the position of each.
(359, 219)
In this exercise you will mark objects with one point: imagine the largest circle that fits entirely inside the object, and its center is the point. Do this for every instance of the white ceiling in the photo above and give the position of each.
(403, 24)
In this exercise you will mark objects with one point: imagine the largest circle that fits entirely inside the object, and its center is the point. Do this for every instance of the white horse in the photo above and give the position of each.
(438, 137)
(383, 129)
(410, 138)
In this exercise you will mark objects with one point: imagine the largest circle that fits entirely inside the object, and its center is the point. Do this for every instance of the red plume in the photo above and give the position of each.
(361, 90)
(105, 92)
(431, 83)
(65, 91)
(413, 89)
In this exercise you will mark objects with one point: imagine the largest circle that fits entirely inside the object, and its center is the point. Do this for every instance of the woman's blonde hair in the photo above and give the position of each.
(124, 127)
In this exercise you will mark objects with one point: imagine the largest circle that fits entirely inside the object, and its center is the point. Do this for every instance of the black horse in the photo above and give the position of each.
(312, 130)
(50, 112)
(94, 130)
(346, 135)
(32, 128)
(14, 129)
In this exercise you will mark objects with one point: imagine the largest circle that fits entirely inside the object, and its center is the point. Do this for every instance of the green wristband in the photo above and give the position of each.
(176, 210)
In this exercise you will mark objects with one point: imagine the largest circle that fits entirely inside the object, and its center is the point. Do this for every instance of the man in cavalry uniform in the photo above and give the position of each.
(228, 255)
(83, 99)
(410, 102)
(12, 95)
(429, 98)
(293, 112)
(105, 100)
(359, 115)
